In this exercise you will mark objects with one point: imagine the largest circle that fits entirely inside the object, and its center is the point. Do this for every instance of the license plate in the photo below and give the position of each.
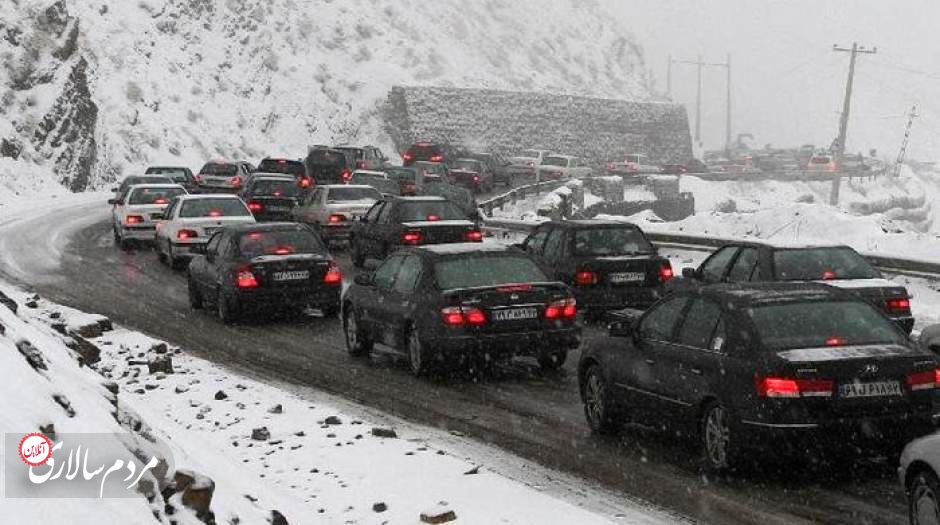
(875, 389)
(278, 208)
(515, 314)
(627, 277)
(292, 276)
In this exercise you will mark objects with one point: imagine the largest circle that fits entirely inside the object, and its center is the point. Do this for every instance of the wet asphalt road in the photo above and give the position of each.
(518, 408)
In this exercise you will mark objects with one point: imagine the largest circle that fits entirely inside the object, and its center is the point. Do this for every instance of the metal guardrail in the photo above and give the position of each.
(518, 193)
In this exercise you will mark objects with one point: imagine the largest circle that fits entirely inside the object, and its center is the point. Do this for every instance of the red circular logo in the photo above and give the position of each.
(35, 449)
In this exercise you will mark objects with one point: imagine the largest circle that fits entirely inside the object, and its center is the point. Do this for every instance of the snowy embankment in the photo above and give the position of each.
(267, 454)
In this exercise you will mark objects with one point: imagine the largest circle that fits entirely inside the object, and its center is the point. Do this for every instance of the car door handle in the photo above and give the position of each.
(651, 361)
(696, 370)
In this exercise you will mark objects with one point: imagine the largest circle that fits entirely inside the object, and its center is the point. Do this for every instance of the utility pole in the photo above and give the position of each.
(728, 104)
(907, 136)
(698, 95)
(844, 119)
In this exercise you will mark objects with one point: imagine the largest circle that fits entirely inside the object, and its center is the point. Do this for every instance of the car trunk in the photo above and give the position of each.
(875, 292)
(465, 177)
(512, 307)
(352, 211)
(149, 212)
(623, 271)
(272, 208)
(206, 226)
(289, 271)
(437, 232)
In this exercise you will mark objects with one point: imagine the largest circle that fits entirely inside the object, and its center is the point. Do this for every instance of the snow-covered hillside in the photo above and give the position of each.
(180, 81)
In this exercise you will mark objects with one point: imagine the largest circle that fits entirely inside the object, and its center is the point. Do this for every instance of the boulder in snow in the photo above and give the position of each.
(163, 363)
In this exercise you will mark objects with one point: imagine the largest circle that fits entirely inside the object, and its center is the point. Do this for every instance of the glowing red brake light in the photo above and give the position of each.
(304, 182)
(476, 178)
(336, 218)
(437, 158)
(665, 272)
(244, 278)
(829, 274)
(412, 237)
(235, 181)
(898, 305)
(473, 236)
(284, 250)
(215, 212)
(333, 275)
(836, 341)
(458, 316)
(346, 175)
(281, 161)
(255, 206)
(923, 380)
(585, 278)
(433, 217)
(777, 387)
(185, 235)
(565, 308)
(160, 200)
(515, 288)
(133, 219)
(407, 156)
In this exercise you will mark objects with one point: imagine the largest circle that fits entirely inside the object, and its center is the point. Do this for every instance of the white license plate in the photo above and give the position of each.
(515, 314)
(627, 277)
(278, 208)
(292, 276)
(875, 389)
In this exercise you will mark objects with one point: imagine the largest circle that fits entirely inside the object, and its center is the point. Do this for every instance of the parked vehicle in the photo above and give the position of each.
(270, 266)
(673, 169)
(436, 305)
(333, 209)
(784, 367)
(135, 218)
(223, 176)
(556, 167)
(294, 168)
(191, 220)
(472, 174)
(838, 266)
(609, 265)
(422, 150)
(409, 221)
(328, 166)
(365, 157)
(272, 197)
(379, 180)
(179, 175)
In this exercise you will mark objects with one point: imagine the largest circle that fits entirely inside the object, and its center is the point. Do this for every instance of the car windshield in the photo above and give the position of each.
(274, 188)
(429, 211)
(555, 161)
(290, 167)
(353, 194)
(610, 241)
(811, 264)
(213, 208)
(176, 174)
(279, 242)
(158, 196)
(227, 170)
(819, 324)
(465, 272)
(469, 165)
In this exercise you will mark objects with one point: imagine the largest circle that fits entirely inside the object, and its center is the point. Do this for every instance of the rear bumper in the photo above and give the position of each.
(183, 250)
(314, 296)
(274, 217)
(139, 233)
(335, 232)
(515, 343)
(615, 298)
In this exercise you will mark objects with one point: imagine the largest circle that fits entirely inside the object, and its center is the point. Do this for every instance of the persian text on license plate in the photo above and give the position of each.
(292, 276)
(278, 208)
(515, 314)
(875, 389)
(627, 277)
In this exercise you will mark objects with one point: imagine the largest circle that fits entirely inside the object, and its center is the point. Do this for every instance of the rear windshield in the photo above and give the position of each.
(214, 208)
(429, 168)
(499, 269)
(290, 167)
(227, 170)
(610, 241)
(402, 174)
(429, 211)
(357, 152)
(177, 174)
(130, 181)
(325, 157)
(555, 161)
(353, 194)
(811, 264)
(813, 325)
(284, 242)
(425, 150)
(275, 188)
(154, 195)
(469, 165)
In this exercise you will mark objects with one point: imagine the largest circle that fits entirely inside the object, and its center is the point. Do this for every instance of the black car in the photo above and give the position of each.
(409, 179)
(180, 175)
(472, 174)
(273, 265)
(365, 157)
(409, 221)
(838, 266)
(295, 168)
(328, 166)
(787, 367)
(120, 192)
(461, 197)
(610, 265)
(272, 197)
(461, 301)
(423, 150)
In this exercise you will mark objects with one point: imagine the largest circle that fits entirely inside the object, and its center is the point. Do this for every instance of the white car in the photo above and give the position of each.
(135, 216)
(526, 163)
(191, 219)
(332, 208)
(920, 463)
(555, 167)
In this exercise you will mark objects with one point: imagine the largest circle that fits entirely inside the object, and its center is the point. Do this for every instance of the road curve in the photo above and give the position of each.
(68, 256)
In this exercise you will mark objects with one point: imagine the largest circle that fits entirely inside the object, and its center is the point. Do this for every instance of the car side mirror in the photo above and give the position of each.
(365, 279)
(620, 329)
(114, 202)
(690, 273)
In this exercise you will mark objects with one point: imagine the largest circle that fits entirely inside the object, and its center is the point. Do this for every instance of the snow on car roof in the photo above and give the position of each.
(156, 185)
(199, 196)
(272, 176)
(369, 172)
(422, 198)
(771, 292)
(337, 186)
(465, 248)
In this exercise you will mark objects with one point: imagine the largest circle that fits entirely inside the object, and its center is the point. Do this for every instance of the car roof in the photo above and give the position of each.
(198, 196)
(561, 156)
(161, 185)
(338, 186)
(787, 244)
(369, 172)
(182, 168)
(465, 248)
(588, 223)
(421, 198)
(745, 295)
(272, 176)
(279, 159)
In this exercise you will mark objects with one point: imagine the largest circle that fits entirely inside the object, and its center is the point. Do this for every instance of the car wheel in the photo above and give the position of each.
(356, 344)
(597, 405)
(718, 452)
(552, 360)
(172, 260)
(226, 309)
(355, 254)
(195, 296)
(418, 355)
(923, 505)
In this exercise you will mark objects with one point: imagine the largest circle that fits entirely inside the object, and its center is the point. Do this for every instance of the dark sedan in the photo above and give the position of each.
(610, 265)
(272, 197)
(449, 303)
(274, 265)
(789, 367)
(409, 221)
(838, 266)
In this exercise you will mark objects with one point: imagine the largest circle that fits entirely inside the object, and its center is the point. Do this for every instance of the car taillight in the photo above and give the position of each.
(779, 387)
(304, 182)
(462, 315)
(235, 181)
(473, 236)
(585, 278)
(898, 305)
(836, 341)
(407, 156)
(198, 179)
(476, 178)
(530, 163)
(160, 201)
(255, 206)
(665, 272)
(185, 235)
(924, 380)
(412, 237)
(829, 274)
(346, 175)
(437, 158)
(333, 275)
(563, 309)
(611, 166)
(133, 219)
(336, 218)
(244, 278)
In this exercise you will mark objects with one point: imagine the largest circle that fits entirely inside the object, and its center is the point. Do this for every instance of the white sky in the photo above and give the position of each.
(788, 84)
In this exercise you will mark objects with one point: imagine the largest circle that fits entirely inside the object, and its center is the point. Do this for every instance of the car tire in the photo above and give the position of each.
(419, 359)
(226, 309)
(160, 255)
(719, 451)
(923, 498)
(552, 360)
(355, 254)
(195, 296)
(356, 344)
(595, 396)
(171, 260)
